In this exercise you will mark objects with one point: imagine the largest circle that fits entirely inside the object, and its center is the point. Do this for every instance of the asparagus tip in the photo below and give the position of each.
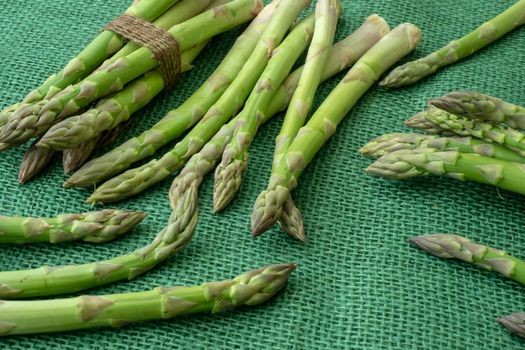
(515, 323)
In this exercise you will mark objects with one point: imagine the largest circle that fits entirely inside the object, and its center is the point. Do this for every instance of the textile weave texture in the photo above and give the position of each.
(359, 284)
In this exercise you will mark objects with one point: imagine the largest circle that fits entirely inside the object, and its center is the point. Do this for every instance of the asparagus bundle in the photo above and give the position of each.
(46, 316)
(184, 190)
(28, 123)
(94, 227)
(323, 124)
(180, 119)
(228, 175)
(456, 50)
(136, 180)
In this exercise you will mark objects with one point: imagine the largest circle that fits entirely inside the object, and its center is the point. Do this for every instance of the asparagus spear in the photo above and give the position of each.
(435, 120)
(482, 107)
(180, 119)
(46, 316)
(110, 112)
(94, 227)
(456, 50)
(35, 160)
(228, 174)
(456, 247)
(323, 124)
(461, 166)
(396, 142)
(23, 125)
(515, 323)
(136, 180)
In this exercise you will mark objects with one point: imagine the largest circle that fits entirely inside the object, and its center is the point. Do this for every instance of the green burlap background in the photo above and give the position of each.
(359, 285)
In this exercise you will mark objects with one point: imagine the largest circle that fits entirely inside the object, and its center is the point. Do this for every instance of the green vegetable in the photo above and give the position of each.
(94, 227)
(515, 323)
(456, 50)
(180, 119)
(436, 121)
(24, 125)
(228, 174)
(35, 160)
(482, 107)
(323, 124)
(136, 180)
(396, 142)
(46, 316)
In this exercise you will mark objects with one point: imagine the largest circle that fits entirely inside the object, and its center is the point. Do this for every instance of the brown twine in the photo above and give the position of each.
(160, 42)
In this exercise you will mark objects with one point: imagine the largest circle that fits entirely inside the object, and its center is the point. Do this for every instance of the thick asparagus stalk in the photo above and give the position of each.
(228, 174)
(461, 166)
(482, 107)
(110, 112)
(23, 125)
(435, 120)
(448, 246)
(515, 323)
(46, 316)
(323, 124)
(35, 160)
(456, 50)
(177, 121)
(396, 142)
(94, 227)
(136, 180)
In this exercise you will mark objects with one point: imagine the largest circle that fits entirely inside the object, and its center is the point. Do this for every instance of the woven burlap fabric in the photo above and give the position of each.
(359, 285)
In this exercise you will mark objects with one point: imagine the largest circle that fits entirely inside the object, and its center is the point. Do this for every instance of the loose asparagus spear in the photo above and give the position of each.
(136, 180)
(35, 160)
(458, 49)
(435, 120)
(23, 124)
(448, 246)
(180, 119)
(110, 112)
(228, 174)
(482, 107)
(396, 142)
(515, 323)
(461, 166)
(94, 227)
(323, 124)
(46, 316)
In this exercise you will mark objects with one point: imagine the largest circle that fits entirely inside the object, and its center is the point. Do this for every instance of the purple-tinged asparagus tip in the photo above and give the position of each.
(515, 323)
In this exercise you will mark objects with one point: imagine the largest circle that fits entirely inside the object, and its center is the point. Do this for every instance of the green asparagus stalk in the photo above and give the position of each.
(46, 316)
(396, 142)
(482, 107)
(448, 246)
(95, 227)
(515, 323)
(456, 50)
(323, 124)
(438, 121)
(136, 180)
(228, 174)
(35, 160)
(110, 112)
(24, 125)
(461, 166)
(180, 119)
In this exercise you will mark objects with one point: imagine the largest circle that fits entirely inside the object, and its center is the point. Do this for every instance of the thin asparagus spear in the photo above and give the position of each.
(323, 124)
(136, 180)
(448, 246)
(456, 50)
(177, 121)
(435, 120)
(396, 142)
(228, 174)
(25, 125)
(35, 160)
(482, 107)
(515, 323)
(46, 316)
(461, 166)
(95, 227)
